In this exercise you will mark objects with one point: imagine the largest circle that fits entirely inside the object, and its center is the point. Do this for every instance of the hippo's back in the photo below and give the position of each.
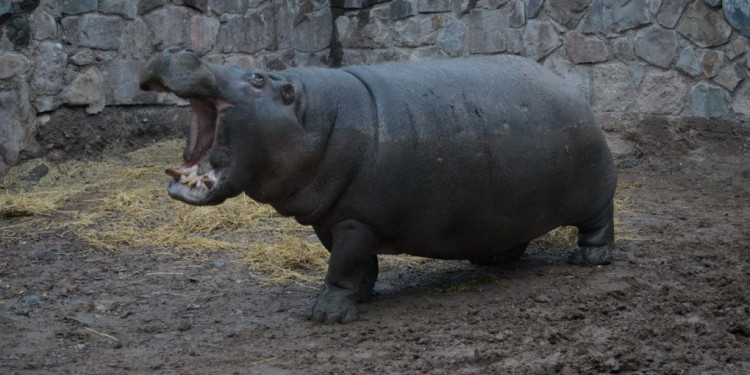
(481, 153)
(505, 90)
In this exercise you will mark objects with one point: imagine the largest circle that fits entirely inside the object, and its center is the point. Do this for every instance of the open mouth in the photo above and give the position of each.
(196, 178)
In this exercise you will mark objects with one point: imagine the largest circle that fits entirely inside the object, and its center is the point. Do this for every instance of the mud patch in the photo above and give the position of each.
(718, 150)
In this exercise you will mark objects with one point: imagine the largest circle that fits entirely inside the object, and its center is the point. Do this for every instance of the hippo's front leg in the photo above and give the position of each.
(352, 271)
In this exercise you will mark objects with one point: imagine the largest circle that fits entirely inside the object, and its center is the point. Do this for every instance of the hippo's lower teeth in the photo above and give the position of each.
(188, 179)
(191, 179)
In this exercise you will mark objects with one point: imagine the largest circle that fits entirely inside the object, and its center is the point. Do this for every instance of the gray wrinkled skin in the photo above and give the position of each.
(454, 159)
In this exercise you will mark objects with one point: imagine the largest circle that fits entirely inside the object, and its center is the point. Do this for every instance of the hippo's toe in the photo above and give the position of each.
(591, 255)
(335, 305)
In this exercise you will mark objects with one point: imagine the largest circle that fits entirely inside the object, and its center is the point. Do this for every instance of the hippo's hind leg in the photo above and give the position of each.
(596, 239)
(352, 272)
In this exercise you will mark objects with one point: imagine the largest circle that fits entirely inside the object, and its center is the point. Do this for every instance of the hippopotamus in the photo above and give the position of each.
(465, 159)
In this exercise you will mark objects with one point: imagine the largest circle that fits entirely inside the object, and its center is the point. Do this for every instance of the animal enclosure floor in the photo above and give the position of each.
(675, 300)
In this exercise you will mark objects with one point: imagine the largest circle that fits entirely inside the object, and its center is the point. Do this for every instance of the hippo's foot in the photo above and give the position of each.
(596, 240)
(591, 255)
(334, 305)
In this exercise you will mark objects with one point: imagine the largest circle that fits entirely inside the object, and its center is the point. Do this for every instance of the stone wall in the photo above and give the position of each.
(87, 54)
(637, 58)
(633, 59)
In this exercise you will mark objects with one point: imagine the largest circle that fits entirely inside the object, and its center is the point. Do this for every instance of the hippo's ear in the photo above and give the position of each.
(287, 93)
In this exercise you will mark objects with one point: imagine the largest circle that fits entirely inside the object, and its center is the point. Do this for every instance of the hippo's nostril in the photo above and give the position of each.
(191, 50)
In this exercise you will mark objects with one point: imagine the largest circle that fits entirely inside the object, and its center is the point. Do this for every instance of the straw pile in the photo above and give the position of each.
(121, 202)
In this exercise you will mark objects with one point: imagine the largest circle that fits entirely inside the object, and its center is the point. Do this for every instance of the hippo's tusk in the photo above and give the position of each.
(174, 173)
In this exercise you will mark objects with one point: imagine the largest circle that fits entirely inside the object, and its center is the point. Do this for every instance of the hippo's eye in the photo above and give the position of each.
(256, 80)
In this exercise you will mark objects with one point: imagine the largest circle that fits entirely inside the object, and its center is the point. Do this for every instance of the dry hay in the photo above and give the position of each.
(562, 236)
(288, 259)
(121, 202)
(30, 204)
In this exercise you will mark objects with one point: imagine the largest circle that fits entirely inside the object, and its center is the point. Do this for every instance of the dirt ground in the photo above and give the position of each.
(676, 299)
